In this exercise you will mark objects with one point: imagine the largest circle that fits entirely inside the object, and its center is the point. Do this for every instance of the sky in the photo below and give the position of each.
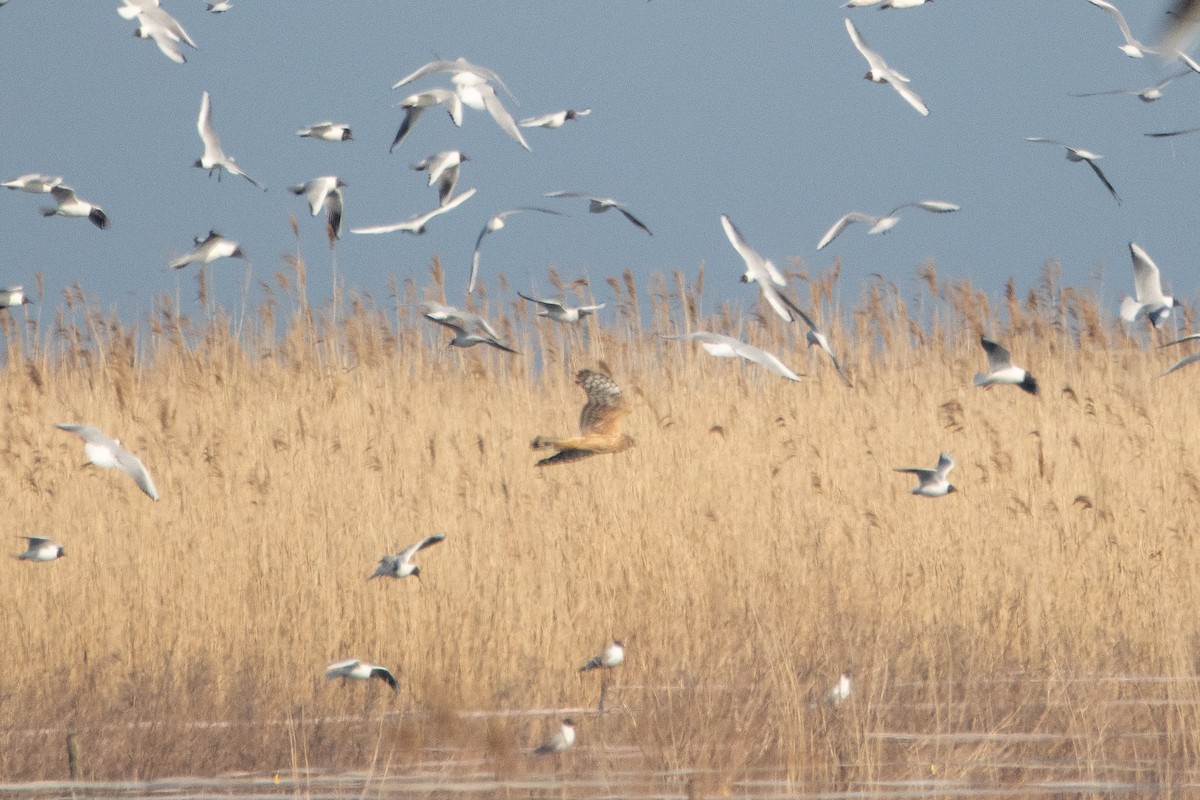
(756, 110)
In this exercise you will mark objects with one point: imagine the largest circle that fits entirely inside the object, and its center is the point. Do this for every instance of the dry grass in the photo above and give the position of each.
(754, 543)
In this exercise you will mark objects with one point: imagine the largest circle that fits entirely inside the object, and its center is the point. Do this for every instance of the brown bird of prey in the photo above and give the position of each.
(599, 423)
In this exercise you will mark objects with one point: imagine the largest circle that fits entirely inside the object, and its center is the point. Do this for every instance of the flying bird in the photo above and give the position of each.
(613, 655)
(815, 338)
(494, 224)
(599, 423)
(1079, 154)
(34, 183)
(553, 120)
(469, 329)
(598, 205)
(559, 311)
(70, 204)
(400, 565)
(716, 344)
(456, 67)
(416, 225)
(1147, 287)
(1132, 47)
(353, 669)
(219, 7)
(415, 105)
(931, 483)
(880, 72)
(106, 452)
(758, 269)
(40, 548)
(326, 131)
(208, 250)
(324, 193)
(1147, 94)
(473, 87)
(882, 224)
(1002, 371)
(156, 24)
(443, 169)
(563, 739)
(214, 158)
(13, 296)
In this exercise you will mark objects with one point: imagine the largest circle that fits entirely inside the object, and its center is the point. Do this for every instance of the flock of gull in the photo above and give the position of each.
(476, 87)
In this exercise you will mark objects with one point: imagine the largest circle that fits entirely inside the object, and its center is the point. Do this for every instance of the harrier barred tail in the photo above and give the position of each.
(599, 423)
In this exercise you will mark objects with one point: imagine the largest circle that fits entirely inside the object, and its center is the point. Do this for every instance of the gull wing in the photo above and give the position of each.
(836, 229)
(1147, 281)
(997, 355)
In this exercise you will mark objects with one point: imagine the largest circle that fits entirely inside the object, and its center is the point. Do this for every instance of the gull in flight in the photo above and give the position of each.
(325, 193)
(473, 85)
(932, 483)
(758, 270)
(560, 741)
(1132, 47)
(469, 329)
(816, 338)
(105, 452)
(353, 669)
(1183, 362)
(219, 6)
(559, 311)
(156, 24)
(840, 691)
(456, 67)
(721, 346)
(1147, 287)
(41, 548)
(1002, 371)
(599, 423)
(613, 655)
(326, 131)
(1147, 94)
(214, 157)
(34, 183)
(443, 169)
(400, 565)
(494, 224)
(598, 205)
(13, 296)
(1079, 154)
(208, 250)
(415, 105)
(886, 222)
(70, 204)
(554, 120)
(416, 225)
(880, 72)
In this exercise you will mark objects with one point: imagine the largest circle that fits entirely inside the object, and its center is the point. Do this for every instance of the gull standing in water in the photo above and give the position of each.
(494, 224)
(325, 193)
(70, 204)
(880, 72)
(214, 158)
(354, 669)
(103, 451)
(416, 225)
(208, 250)
(598, 205)
(1147, 285)
(721, 346)
(932, 483)
(560, 311)
(1079, 154)
(1002, 371)
(759, 270)
(882, 224)
(40, 548)
(400, 565)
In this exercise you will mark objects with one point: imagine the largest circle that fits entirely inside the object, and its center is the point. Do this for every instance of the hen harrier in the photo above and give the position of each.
(599, 423)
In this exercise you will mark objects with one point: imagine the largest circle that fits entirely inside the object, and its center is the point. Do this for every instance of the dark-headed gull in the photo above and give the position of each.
(456, 67)
(759, 270)
(491, 226)
(880, 72)
(156, 24)
(354, 669)
(598, 205)
(219, 7)
(473, 85)
(932, 482)
(103, 451)
(70, 204)
(208, 250)
(415, 105)
(326, 131)
(562, 740)
(599, 423)
(721, 346)
(214, 157)
(469, 329)
(882, 224)
(34, 183)
(816, 338)
(613, 655)
(1079, 154)
(1002, 371)
(443, 169)
(324, 193)
(400, 565)
(1147, 94)
(559, 311)
(555, 119)
(416, 225)
(1150, 301)
(13, 297)
(41, 548)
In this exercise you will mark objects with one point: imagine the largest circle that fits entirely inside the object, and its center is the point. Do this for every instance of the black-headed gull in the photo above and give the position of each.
(415, 105)
(1002, 371)
(156, 24)
(41, 548)
(354, 669)
(491, 226)
(1147, 94)
(1132, 47)
(443, 169)
(326, 131)
(721, 346)
(1079, 154)
(932, 482)
(473, 85)
(13, 297)
(598, 205)
(219, 7)
(105, 452)
(554, 119)
(840, 691)
(456, 67)
(34, 183)
(562, 739)
(324, 193)
(880, 72)
(815, 338)
(469, 329)
(400, 565)
(208, 250)
(416, 225)
(613, 655)
(559, 311)
(1150, 301)
(214, 157)
(70, 204)
(759, 270)
(882, 224)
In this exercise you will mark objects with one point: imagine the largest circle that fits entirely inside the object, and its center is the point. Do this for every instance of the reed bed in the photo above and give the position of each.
(753, 544)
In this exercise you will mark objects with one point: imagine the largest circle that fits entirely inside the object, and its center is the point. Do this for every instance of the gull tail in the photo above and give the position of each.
(1130, 309)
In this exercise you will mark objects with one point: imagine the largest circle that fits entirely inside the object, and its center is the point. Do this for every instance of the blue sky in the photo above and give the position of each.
(758, 110)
